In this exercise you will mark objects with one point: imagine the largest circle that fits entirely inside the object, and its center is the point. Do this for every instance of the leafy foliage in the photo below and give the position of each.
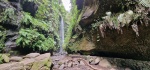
(7, 15)
(33, 39)
(38, 32)
(33, 22)
(72, 21)
(2, 38)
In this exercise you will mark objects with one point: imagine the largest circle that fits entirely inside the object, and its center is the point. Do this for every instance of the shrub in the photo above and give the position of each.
(36, 41)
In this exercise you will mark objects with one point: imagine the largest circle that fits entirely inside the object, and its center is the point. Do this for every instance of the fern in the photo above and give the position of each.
(7, 14)
(35, 23)
(32, 39)
(72, 21)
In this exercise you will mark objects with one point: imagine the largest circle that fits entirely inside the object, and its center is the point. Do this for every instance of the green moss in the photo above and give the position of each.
(37, 65)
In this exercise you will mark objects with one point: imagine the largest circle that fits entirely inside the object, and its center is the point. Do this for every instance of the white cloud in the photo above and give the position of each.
(67, 5)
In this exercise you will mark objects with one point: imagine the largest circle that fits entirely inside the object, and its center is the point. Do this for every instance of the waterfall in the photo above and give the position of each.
(61, 43)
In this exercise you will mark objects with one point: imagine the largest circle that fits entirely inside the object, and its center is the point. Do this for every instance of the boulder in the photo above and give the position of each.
(39, 64)
(5, 58)
(27, 61)
(16, 58)
(32, 55)
(11, 66)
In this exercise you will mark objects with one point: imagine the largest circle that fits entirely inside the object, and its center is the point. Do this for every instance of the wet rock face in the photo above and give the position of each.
(30, 7)
(97, 8)
(12, 25)
(126, 45)
(80, 4)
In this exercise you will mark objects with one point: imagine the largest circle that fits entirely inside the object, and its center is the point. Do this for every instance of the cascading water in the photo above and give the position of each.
(61, 36)
(67, 6)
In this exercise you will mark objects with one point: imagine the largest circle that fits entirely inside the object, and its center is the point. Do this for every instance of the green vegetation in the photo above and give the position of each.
(33, 39)
(38, 32)
(2, 38)
(34, 23)
(72, 21)
(7, 15)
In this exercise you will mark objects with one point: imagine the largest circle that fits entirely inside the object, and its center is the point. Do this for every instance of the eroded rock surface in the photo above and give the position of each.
(38, 62)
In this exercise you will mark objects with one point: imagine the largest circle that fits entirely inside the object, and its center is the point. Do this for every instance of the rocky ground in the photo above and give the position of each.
(79, 62)
(32, 61)
(37, 61)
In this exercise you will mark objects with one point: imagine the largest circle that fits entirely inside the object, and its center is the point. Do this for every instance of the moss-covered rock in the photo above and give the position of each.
(37, 65)
(4, 58)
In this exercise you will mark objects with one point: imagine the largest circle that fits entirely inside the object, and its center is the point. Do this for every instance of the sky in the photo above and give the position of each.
(67, 5)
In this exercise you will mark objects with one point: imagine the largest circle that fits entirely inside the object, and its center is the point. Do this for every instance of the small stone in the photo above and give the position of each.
(97, 60)
(56, 66)
(75, 63)
(70, 64)
(16, 58)
(104, 63)
(32, 55)
(82, 63)
(62, 66)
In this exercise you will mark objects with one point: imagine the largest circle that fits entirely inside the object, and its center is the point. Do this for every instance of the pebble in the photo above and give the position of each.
(97, 60)
(105, 63)
(62, 66)
(82, 63)
(70, 64)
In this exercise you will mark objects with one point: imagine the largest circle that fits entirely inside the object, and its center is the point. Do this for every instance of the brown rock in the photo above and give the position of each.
(10, 66)
(16, 58)
(18, 68)
(43, 56)
(27, 61)
(31, 55)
